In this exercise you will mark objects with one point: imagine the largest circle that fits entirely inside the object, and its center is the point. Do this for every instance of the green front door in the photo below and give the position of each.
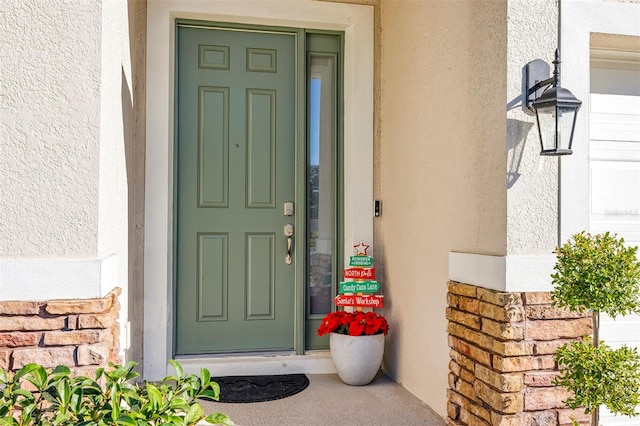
(235, 170)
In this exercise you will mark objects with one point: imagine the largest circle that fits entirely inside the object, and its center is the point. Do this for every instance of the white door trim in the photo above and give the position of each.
(357, 23)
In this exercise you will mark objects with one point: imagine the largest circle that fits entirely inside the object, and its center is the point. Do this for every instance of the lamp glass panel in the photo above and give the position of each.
(566, 117)
(547, 127)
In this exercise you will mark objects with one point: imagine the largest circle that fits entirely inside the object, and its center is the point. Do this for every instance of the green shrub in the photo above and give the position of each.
(597, 273)
(60, 399)
(600, 376)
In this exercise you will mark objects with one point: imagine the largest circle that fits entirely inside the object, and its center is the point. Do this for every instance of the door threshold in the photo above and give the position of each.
(312, 362)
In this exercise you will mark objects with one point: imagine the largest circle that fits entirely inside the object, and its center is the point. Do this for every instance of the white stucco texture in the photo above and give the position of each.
(36, 279)
(49, 127)
(116, 149)
(116, 106)
(532, 180)
(66, 119)
(533, 202)
(443, 158)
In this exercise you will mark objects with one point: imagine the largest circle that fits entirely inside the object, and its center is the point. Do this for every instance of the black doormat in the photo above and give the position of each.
(239, 389)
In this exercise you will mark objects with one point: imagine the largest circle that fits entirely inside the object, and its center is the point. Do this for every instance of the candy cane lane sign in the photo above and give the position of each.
(359, 287)
(360, 273)
(368, 301)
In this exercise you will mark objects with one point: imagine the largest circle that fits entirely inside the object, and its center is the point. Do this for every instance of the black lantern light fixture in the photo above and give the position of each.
(556, 108)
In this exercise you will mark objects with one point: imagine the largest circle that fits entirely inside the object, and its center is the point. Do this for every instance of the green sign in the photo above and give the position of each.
(359, 287)
(361, 261)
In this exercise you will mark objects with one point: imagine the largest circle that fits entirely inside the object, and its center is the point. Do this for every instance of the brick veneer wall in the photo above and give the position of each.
(82, 334)
(502, 365)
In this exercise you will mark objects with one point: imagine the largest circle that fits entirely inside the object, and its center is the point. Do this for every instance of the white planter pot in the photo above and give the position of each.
(356, 358)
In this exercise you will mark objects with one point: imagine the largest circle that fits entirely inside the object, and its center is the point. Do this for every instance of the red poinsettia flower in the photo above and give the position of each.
(357, 326)
(353, 323)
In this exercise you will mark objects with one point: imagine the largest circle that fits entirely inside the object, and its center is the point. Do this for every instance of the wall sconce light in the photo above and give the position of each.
(556, 108)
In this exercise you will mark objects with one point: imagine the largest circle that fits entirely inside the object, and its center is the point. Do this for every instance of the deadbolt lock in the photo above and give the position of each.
(288, 208)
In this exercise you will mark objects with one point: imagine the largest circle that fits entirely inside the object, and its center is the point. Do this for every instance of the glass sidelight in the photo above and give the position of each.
(323, 112)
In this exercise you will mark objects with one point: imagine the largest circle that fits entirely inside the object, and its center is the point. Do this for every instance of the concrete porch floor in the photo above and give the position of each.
(327, 401)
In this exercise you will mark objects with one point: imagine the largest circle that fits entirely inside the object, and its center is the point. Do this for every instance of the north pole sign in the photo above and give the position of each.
(368, 301)
(360, 273)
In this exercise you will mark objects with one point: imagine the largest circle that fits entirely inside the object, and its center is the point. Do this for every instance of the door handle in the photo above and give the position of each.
(288, 232)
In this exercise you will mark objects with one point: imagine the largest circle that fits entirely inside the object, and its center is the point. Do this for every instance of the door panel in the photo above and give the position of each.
(235, 154)
(213, 147)
(261, 126)
(212, 277)
(260, 280)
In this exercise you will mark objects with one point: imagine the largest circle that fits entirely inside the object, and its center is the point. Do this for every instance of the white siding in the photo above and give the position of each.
(614, 187)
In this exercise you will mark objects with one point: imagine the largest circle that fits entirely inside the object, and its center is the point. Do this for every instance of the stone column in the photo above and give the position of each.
(502, 363)
(82, 334)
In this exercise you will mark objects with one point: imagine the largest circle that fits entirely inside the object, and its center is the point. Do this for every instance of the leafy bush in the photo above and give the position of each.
(600, 376)
(597, 273)
(60, 399)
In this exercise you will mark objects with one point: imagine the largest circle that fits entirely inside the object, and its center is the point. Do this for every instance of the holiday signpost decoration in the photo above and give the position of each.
(357, 337)
(358, 293)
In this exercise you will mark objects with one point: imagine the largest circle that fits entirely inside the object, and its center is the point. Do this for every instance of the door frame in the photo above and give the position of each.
(357, 22)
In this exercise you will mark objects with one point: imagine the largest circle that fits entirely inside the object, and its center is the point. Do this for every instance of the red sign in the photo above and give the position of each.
(360, 273)
(367, 301)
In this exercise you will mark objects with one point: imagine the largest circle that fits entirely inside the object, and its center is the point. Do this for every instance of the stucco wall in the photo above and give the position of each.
(66, 138)
(49, 128)
(115, 109)
(460, 169)
(442, 169)
(121, 163)
(532, 188)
